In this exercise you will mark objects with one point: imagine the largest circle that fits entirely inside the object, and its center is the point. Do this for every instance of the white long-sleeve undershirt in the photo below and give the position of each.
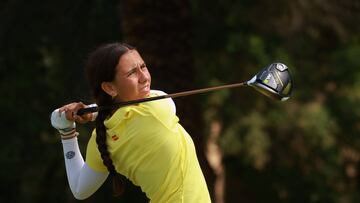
(82, 179)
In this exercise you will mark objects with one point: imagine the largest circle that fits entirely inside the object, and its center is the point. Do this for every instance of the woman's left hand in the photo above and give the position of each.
(70, 112)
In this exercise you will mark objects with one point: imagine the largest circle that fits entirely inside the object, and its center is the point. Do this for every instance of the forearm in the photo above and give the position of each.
(83, 181)
(73, 162)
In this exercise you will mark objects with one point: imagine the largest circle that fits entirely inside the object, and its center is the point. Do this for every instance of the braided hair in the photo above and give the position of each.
(101, 67)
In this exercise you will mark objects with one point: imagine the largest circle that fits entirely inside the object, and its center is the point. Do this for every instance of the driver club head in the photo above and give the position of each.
(273, 81)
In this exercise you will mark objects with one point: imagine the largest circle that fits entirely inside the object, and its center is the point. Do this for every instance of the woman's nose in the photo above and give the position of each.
(143, 75)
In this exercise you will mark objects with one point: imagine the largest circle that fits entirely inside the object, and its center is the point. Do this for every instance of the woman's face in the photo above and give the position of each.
(132, 80)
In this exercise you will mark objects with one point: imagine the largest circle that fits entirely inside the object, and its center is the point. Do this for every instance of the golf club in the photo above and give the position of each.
(273, 81)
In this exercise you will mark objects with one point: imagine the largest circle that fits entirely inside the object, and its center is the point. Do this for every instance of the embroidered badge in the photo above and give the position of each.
(70, 154)
(114, 137)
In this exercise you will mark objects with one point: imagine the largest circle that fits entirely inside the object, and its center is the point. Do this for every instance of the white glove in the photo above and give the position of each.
(59, 122)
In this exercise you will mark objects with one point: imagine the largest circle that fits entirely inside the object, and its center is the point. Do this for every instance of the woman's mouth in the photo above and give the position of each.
(146, 88)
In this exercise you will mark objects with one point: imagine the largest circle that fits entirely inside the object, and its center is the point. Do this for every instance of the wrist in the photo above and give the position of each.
(69, 136)
(68, 133)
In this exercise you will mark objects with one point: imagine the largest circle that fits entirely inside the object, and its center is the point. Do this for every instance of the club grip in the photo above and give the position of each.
(87, 110)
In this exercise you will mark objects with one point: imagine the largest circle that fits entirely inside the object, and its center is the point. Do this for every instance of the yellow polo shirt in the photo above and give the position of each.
(150, 148)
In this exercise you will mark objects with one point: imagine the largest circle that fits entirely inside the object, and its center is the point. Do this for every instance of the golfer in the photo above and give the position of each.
(143, 142)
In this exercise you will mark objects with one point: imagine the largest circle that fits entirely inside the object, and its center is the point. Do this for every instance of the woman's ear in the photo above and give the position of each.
(109, 88)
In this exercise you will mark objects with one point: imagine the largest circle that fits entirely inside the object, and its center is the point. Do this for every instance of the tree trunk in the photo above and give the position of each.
(162, 33)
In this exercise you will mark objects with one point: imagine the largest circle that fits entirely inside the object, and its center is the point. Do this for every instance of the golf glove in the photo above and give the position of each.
(59, 122)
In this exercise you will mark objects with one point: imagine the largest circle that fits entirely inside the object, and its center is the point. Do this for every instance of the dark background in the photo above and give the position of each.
(306, 149)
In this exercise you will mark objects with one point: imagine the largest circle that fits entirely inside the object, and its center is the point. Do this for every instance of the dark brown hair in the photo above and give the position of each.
(101, 67)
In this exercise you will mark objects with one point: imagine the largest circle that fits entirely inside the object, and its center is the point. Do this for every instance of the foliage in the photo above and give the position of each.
(304, 150)
(299, 150)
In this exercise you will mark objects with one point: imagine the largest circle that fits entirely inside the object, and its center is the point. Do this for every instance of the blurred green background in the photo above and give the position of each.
(251, 149)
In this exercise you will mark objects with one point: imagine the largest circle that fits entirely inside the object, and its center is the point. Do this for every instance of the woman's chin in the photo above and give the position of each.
(145, 92)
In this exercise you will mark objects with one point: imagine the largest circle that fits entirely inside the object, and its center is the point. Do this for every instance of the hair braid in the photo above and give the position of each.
(101, 67)
(118, 184)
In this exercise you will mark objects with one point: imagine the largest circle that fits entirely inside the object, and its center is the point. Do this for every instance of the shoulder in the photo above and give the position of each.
(162, 110)
(153, 113)
(156, 93)
(168, 102)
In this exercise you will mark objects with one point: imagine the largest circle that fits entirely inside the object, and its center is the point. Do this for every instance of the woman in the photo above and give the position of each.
(143, 142)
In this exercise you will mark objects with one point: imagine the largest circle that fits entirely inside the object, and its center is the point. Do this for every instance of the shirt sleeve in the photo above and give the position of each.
(93, 157)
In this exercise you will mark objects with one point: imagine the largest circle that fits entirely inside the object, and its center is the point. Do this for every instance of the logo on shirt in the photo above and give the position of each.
(114, 137)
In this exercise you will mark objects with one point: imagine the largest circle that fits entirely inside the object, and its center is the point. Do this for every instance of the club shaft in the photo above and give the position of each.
(199, 91)
(173, 95)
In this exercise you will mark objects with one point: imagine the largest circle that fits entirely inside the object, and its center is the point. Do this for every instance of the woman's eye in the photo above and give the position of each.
(131, 73)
